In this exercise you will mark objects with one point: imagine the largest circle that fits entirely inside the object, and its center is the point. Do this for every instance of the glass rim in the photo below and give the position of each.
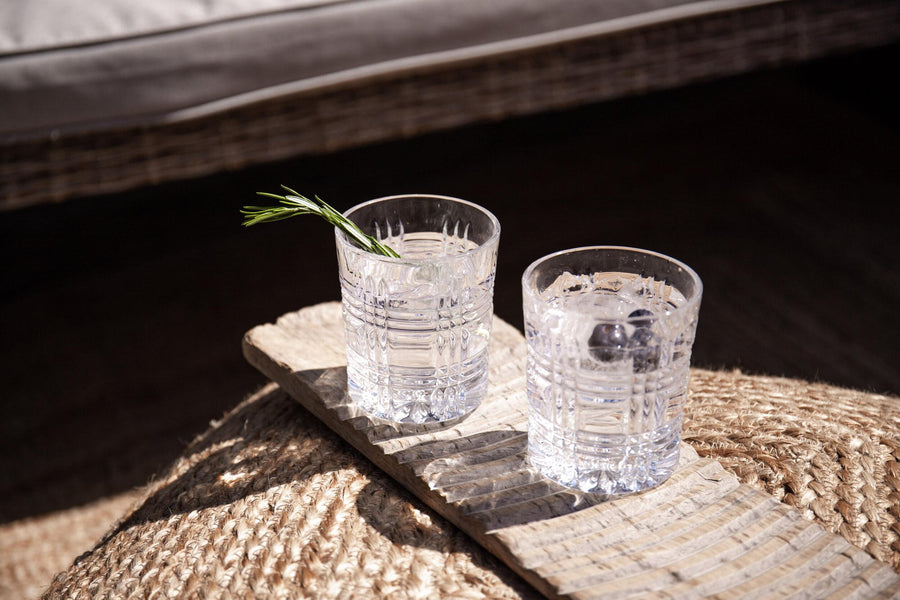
(529, 289)
(495, 226)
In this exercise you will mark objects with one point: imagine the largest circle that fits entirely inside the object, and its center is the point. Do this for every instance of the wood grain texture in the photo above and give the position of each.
(701, 534)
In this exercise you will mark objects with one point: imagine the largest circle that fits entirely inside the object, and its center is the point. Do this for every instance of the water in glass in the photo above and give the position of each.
(417, 328)
(607, 375)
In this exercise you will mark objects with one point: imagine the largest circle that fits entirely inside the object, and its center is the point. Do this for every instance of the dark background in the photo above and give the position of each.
(121, 316)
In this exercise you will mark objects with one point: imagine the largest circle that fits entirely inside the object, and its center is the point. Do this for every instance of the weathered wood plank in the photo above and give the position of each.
(701, 534)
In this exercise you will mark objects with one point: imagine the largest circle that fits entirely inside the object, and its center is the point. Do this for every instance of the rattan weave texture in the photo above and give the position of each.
(269, 503)
(634, 59)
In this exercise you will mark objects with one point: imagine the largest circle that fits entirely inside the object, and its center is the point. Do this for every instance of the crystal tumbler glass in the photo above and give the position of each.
(609, 333)
(417, 327)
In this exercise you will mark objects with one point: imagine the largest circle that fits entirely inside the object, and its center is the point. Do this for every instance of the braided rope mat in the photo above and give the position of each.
(268, 502)
(34, 549)
(832, 453)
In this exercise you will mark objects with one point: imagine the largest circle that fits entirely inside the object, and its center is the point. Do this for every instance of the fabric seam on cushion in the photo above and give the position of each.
(399, 66)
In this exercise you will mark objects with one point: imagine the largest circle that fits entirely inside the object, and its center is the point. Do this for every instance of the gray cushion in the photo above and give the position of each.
(70, 66)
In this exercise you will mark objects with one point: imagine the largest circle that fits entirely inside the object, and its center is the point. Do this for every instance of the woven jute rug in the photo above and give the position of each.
(269, 503)
(832, 453)
(34, 549)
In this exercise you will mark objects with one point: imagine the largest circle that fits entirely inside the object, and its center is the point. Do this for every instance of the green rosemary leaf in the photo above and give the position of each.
(268, 195)
(287, 189)
(295, 204)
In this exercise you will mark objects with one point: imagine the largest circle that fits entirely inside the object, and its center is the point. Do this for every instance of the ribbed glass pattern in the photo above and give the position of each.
(607, 375)
(417, 328)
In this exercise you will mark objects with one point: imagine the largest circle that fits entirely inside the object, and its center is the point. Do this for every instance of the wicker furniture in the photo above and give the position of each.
(552, 56)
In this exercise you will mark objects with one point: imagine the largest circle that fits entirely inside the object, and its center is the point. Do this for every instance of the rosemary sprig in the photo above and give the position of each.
(295, 204)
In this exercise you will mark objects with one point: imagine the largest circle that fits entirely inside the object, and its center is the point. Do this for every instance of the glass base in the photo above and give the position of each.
(418, 404)
(610, 465)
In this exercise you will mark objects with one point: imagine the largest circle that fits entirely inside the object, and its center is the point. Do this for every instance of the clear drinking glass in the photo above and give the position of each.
(609, 334)
(417, 327)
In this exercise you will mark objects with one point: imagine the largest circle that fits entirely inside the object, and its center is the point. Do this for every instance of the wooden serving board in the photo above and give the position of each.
(701, 534)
